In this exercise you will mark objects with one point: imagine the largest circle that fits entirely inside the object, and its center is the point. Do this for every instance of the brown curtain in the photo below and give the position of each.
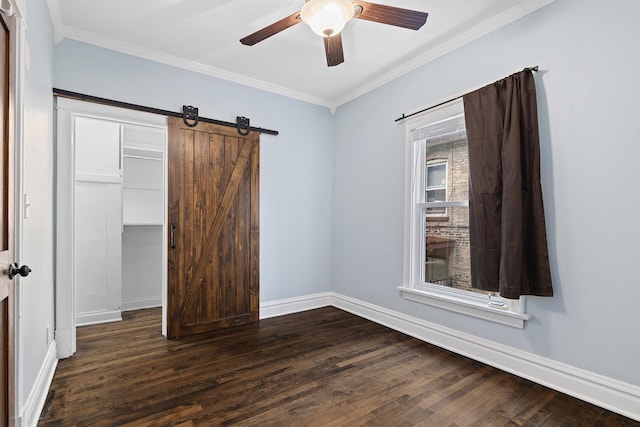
(507, 230)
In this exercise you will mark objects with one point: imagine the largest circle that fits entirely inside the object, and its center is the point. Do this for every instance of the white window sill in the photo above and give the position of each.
(479, 309)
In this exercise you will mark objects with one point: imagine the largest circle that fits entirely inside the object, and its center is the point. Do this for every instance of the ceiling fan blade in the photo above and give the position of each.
(390, 15)
(333, 49)
(272, 29)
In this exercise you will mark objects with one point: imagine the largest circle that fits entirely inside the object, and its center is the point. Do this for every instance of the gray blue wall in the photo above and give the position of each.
(295, 166)
(36, 291)
(332, 186)
(587, 87)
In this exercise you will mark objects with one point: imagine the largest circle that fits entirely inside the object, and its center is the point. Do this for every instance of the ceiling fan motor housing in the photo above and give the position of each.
(327, 17)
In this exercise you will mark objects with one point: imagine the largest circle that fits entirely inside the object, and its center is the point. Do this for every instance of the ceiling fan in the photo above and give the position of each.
(327, 18)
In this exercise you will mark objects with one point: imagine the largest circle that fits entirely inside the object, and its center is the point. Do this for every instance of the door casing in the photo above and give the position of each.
(17, 69)
(65, 333)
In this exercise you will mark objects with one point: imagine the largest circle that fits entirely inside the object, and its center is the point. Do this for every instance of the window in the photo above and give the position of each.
(437, 268)
(436, 185)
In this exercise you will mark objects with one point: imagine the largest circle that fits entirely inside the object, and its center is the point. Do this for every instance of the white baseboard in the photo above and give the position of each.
(605, 392)
(294, 305)
(37, 397)
(602, 391)
(141, 304)
(97, 317)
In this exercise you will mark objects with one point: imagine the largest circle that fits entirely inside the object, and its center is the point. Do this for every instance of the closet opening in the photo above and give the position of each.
(111, 220)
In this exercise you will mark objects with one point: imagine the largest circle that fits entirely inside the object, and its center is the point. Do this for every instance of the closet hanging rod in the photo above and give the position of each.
(113, 103)
(404, 117)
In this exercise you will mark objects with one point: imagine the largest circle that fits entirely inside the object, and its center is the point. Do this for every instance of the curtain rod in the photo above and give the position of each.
(535, 68)
(97, 100)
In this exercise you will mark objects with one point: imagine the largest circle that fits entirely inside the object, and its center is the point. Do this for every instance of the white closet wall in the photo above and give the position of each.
(118, 218)
(98, 220)
(143, 216)
(141, 267)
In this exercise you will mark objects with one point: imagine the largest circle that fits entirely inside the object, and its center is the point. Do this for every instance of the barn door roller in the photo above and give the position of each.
(190, 112)
(242, 124)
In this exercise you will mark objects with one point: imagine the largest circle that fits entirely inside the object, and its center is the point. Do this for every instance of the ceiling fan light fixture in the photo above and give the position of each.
(327, 17)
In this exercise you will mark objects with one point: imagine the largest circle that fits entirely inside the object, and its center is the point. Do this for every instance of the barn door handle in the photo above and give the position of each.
(14, 270)
(172, 238)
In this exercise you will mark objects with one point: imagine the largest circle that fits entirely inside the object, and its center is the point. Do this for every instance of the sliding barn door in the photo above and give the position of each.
(213, 228)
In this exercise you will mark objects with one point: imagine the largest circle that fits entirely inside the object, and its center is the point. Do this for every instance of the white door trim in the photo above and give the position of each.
(67, 109)
(17, 26)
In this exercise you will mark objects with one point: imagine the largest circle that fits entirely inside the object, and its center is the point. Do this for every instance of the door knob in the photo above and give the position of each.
(14, 270)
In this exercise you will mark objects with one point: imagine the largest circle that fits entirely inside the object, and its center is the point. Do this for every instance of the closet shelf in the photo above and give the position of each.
(133, 156)
(142, 153)
(139, 148)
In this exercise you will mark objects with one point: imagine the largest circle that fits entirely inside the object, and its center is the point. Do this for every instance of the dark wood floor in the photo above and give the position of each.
(322, 367)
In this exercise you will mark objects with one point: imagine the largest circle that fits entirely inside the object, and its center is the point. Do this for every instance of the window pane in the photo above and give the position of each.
(451, 151)
(437, 195)
(441, 251)
(447, 250)
(447, 258)
(437, 175)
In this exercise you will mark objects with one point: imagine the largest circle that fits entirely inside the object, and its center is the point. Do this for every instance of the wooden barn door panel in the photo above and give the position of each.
(214, 228)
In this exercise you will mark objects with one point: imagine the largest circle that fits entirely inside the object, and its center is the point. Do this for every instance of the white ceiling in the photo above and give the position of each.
(203, 35)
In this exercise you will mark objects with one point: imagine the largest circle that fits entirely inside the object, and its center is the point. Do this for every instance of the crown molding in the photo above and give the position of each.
(16, 7)
(175, 61)
(56, 18)
(441, 49)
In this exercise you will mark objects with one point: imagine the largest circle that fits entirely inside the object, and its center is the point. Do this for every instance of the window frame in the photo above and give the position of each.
(493, 308)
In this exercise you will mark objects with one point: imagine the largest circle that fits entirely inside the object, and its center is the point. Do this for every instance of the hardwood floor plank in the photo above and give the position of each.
(322, 367)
